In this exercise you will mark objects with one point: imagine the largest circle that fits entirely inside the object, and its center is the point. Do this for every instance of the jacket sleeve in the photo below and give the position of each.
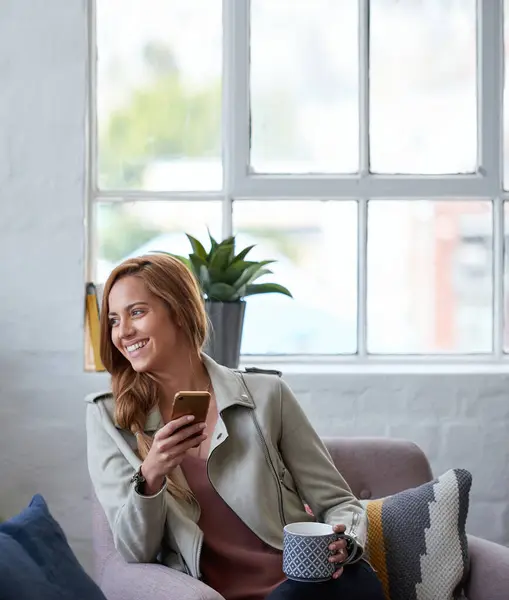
(137, 522)
(319, 483)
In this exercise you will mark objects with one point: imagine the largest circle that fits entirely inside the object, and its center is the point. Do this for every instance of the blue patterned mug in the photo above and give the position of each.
(306, 551)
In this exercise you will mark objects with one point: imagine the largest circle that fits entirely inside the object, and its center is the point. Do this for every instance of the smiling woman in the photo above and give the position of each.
(152, 314)
(153, 328)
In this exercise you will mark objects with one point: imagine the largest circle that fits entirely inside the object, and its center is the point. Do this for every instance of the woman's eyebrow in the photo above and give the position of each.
(130, 306)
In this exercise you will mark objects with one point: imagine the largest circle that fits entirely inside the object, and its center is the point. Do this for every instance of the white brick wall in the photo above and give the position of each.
(460, 420)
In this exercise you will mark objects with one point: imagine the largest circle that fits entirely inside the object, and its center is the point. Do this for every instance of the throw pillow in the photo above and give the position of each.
(417, 541)
(37, 562)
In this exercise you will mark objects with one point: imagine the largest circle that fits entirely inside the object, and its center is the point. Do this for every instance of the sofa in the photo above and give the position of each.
(374, 468)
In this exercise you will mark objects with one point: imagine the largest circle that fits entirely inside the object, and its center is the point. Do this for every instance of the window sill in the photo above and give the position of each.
(401, 365)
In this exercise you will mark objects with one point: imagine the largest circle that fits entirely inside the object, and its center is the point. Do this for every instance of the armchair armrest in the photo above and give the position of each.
(128, 581)
(489, 570)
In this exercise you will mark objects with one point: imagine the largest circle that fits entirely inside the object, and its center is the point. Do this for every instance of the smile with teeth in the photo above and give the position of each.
(136, 346)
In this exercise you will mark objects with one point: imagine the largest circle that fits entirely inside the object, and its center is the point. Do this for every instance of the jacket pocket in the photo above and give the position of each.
(286, 479)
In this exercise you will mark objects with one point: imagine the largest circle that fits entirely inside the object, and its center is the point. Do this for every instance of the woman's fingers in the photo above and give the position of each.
(174, 457)
(339, 545)
(174, 450)
(171, 427)
(186, 433)
(339, 557)
(165, 445)
(338, 573)
(340, 551)
(183, 447)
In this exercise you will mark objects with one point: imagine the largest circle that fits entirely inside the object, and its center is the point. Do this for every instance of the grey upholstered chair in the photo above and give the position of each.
(373, 467)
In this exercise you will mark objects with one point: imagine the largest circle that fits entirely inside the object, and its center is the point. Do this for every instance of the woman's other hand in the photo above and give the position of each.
(168, 449)
(340, 551)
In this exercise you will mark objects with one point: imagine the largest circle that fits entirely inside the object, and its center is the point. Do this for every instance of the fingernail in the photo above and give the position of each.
(190, 418)
(331, 547)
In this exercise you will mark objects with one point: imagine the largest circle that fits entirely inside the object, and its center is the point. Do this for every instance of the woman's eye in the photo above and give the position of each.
(113, 322)
(137, 312)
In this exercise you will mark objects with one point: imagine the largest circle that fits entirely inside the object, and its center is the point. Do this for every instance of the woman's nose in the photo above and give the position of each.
(126, 329)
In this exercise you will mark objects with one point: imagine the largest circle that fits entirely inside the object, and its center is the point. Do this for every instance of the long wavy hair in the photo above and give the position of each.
(136, 394)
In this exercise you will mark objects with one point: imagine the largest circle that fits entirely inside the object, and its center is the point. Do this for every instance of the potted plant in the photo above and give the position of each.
(226, 278)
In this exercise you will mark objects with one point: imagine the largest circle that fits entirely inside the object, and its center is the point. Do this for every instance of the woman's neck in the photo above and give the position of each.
(186, 372)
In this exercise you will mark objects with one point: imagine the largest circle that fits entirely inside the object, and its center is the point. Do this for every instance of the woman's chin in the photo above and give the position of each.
(140, 365)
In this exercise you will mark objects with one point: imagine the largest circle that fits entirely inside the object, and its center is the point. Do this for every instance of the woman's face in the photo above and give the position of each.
(141, 326)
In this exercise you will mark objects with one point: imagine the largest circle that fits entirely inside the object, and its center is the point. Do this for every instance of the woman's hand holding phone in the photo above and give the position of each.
(168, 450)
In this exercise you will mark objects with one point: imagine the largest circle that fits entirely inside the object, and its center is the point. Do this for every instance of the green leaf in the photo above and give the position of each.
(230, 244)
(259, 274)
(222, 292)
(266, 288)
(247, 275)
(213, 244)
(250, 272)
(220, 260)
(242, 287)
(235, 270)
(242, 255)
(229, 241)
(197, 247)
(197, 262)
(204, 275)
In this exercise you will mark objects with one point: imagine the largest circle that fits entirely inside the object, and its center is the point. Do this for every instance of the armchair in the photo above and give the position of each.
(374, 467)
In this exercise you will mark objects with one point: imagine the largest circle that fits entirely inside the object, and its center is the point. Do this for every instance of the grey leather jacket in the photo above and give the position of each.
(265, 461)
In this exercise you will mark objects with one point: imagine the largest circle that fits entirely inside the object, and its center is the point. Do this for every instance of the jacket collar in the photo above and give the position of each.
(228, 386)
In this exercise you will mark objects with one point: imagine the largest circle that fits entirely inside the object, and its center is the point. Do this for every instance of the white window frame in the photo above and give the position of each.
(240, 184)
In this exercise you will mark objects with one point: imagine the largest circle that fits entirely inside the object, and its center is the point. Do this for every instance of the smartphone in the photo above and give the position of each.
(191, 403)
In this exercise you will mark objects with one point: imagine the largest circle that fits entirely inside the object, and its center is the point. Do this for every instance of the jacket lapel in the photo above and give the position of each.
(230, 390)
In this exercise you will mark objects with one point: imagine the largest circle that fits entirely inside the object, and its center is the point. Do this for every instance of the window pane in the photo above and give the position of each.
(423, 101)
(315, 245)
(159, 94)
(506, 95)
(134, 228)
(430, 277)
(304, 86)
(506, 277)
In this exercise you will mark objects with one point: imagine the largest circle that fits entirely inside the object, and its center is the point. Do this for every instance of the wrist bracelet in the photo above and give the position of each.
(138, 479)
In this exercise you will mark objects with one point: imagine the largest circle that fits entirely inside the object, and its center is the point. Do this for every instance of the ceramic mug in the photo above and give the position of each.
(306, 551)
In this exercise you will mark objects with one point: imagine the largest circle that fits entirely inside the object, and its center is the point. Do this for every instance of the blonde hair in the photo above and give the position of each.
(136, 394)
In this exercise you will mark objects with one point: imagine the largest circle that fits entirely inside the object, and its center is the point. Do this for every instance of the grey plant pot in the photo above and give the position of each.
(225, 336)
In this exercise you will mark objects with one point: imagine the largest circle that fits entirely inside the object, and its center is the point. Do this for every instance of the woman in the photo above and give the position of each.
(210, 500)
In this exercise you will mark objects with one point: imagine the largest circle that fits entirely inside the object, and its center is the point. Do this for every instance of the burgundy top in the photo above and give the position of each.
(234, 560)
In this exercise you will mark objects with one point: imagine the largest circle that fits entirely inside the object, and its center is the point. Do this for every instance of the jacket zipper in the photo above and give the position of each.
(197, 556)
(197, 552)
(273, 469)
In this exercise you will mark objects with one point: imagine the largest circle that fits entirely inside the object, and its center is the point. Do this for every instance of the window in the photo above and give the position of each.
(363, 144)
